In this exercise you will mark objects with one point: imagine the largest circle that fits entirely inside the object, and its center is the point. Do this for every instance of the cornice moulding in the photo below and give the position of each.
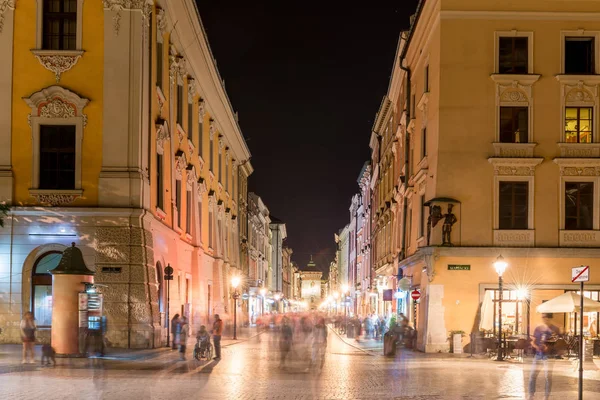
(510, 79)
(589, 80)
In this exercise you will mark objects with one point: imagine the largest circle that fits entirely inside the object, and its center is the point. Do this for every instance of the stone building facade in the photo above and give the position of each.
(152, 163)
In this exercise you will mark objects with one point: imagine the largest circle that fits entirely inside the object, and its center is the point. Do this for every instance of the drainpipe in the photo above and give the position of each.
(408, 117)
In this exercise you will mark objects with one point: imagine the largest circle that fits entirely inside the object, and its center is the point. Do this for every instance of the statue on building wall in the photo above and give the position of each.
(435, 215)
(449, 220)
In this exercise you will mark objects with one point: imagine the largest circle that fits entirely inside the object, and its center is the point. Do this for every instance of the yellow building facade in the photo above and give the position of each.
(494, 108)
(118, 135)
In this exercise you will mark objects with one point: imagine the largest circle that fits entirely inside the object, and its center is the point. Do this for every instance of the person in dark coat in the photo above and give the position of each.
(174, 331)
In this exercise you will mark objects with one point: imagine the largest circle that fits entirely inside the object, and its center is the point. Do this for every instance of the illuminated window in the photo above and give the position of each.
(579, 205)
(579, 55)
(513, 205)
(514, 123)
(42, 287)
(60, 25)
(513, 55)
(578, 124)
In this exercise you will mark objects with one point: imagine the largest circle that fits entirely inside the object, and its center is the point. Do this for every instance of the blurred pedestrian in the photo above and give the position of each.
(217, 331)
(174, 331)
(541, 336)
(184, 332)
(28, 329)
(285, 340)
(319, 344)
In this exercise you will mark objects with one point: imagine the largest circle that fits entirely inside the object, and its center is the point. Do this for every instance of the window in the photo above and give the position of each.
(513, 55)
(513, 205)
(159, 64)
(220, 174)
(210, 227)
(579, 55)
(200, 135)
(60, 25)
(579, 205)
(578, 124)
(178, 201)
(413, 105)
(190, 125)
(159, 182)
(211, 155)
(57, 157)
(188, 211)
(41, 281)
(424, 143)
(426, 83)
(226, 175)
(514, 123)
(180, 105)
(199, 211)
(422, 221)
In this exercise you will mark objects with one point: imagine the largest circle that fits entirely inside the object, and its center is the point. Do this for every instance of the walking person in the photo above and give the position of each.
(184, 332)
(285, 341)
(174, 331)
(541, 336)
(28, 329)
(319, 344)
(217, 331)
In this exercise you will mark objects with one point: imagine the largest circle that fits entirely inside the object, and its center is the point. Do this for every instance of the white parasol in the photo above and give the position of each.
(568, 302)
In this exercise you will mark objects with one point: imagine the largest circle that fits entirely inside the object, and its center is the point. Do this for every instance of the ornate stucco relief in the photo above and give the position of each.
(57, 62)
(55, 199)
(515, 166)
(56, 102)
(578, 167)
(145, 6)
(4, 6)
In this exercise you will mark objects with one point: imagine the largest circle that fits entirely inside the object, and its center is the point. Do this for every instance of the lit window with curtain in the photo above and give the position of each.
(578, 125)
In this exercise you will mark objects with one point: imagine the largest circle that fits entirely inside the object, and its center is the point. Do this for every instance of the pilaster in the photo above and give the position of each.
(6, 74)
(124, 161)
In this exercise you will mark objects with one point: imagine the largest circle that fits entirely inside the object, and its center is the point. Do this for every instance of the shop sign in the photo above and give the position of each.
(459, 267)
(388, 295)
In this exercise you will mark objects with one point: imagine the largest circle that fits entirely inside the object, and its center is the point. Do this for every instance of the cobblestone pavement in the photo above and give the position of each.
(249, 370)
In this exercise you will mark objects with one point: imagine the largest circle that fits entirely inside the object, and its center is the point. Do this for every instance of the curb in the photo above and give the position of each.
(241, 340)
(369, 352)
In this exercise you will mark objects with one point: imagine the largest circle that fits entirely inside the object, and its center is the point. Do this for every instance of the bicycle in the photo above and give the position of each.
(203, 351)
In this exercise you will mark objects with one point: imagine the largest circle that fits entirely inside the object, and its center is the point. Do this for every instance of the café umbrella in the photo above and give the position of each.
(568, 302)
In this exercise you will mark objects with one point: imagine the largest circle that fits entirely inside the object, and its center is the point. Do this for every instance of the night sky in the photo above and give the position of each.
(307, 82)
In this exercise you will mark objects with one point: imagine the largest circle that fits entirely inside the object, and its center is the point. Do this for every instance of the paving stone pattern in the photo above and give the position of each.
(249, 370)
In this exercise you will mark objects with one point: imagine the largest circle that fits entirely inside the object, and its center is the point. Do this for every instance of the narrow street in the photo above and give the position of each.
(249, 370)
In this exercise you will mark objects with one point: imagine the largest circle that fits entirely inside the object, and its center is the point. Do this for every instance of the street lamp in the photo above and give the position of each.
(500, 266)
(168, 276)
(235, 281)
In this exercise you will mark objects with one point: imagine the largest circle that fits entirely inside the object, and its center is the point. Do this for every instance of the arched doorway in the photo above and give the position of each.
(41, 287)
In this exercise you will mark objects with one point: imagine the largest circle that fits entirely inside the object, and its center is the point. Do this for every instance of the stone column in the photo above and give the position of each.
(67, 282)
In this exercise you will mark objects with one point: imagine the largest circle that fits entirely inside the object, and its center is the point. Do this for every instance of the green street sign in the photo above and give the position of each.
(458, 267)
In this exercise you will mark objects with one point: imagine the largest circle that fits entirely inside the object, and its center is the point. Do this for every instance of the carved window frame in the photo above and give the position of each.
(530, 179)
(578, 93)
(580, 33)
(57, 61)
(579, 170)
(513, 33)
(55, 105)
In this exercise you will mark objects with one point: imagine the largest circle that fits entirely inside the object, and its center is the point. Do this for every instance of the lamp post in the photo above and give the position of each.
(235, 281)
(168, 277)
(500, 266)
